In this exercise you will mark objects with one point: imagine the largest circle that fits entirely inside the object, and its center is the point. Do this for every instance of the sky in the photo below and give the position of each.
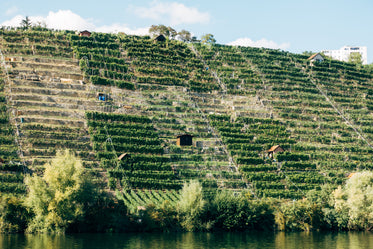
(291, 25)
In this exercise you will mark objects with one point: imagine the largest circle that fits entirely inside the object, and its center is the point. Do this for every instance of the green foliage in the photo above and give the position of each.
(59, 197)
(97, 80)
(185, 35)
(301, 215)
(161, 29)
(191, 206)
(162, 217)
(355, 58)
(237, 212)
(26, 23)
(287, 156)
(13, 215)
(208, 39)
(355, 200)
(331, 220)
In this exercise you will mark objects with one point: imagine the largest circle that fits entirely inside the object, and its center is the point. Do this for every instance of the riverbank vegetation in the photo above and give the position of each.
(65, 199)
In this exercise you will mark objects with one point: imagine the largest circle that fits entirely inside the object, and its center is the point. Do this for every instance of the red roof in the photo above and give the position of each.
(313, 56)
(275, 147)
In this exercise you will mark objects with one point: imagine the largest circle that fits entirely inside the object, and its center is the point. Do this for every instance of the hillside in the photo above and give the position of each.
(106, 95)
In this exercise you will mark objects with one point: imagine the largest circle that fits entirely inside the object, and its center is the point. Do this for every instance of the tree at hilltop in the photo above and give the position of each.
(355, 58)
(208, 39)
(161, 29)
(26, 23)
(185, 35)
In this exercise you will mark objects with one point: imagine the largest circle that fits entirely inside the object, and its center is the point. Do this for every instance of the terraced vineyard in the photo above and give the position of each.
(110, 95)
(11, 169)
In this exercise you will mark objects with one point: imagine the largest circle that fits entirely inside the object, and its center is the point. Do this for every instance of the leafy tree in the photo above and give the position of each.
(355, 200)
(185, 36)
(208, 39)
(237, 212)
(161, 29)
(13, 215)
(26, 23)
(59, 197)
(172, 33)
(40, 26)
(194, 39)
(331, 220)
(355, 58)
(300, 215)
(308, 53)
(191, 206)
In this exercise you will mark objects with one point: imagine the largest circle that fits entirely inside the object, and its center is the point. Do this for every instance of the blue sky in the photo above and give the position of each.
(292, 25)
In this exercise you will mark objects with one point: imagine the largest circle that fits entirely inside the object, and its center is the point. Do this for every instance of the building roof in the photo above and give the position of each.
(350, 175)
(275, 147)
(160, 38)
(85, 32)
(184, 135)
(123, 156)
(314, 55)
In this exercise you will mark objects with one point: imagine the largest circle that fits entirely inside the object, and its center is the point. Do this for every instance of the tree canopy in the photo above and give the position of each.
(185, 35)
(355, 58)
(208, 39)
(355, 200)
(26, 23)
(59, 196)
(161, 29)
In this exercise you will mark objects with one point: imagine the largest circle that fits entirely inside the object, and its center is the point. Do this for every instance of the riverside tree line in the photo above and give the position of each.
(65, 199)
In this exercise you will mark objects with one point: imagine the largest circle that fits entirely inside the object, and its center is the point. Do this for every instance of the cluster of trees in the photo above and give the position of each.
(65, 198)
(183, 35)
(171, 33)
(27, 24)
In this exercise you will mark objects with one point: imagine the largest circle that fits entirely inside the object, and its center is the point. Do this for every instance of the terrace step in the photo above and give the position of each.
(51, 65)
(52, 92)
(53, 121)
(51, 83)
(79, 105)
(26, 74)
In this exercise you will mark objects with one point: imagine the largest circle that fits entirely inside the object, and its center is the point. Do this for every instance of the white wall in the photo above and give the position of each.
(343, 53)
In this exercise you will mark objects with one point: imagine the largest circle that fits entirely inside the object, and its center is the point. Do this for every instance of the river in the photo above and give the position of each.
(317, 240)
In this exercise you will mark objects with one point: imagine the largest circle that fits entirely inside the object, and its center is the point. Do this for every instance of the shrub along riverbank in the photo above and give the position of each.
(64, 199)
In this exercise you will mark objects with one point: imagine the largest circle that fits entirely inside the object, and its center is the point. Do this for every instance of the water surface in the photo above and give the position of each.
(317, 240)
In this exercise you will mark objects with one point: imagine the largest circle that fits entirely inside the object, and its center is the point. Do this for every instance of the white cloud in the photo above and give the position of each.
(116, 27)
(172, 13)
(262, 43)
(14, 22)
(66, 19)
(11, 11)
(62, 19)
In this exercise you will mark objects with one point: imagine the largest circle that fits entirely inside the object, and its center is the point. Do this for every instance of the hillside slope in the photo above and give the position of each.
(107, 95)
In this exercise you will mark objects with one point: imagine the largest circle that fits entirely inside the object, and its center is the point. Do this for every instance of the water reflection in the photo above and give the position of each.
(317, 240)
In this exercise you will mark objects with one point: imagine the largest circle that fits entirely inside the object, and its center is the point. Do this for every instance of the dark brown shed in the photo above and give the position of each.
(184, 140)
(160, 38)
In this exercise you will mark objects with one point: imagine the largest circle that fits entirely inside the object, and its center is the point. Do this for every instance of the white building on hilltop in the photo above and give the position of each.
(343, 54)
